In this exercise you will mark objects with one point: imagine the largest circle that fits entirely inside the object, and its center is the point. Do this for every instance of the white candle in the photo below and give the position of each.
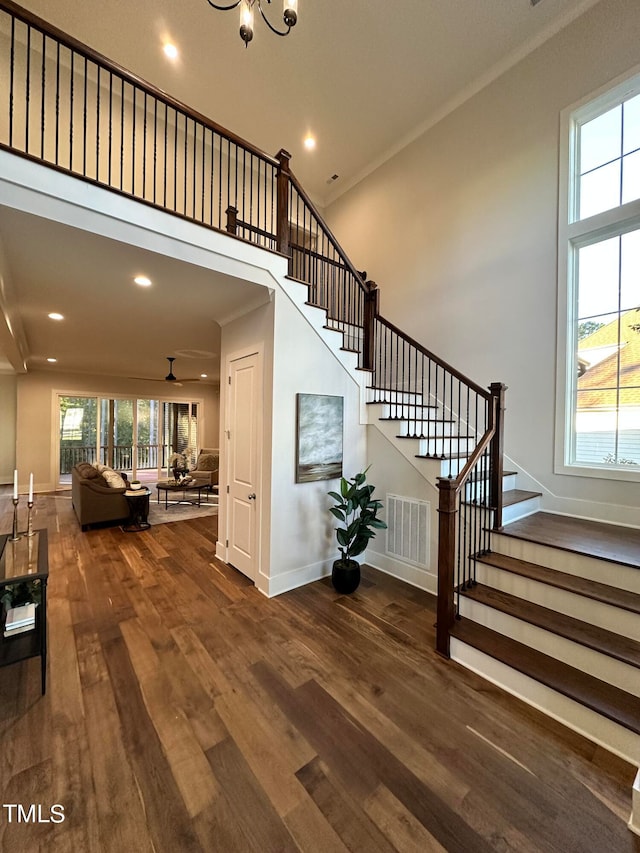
(31, 488)
(15, 485)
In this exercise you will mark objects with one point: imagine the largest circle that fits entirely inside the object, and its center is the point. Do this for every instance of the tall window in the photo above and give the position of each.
(600, 261)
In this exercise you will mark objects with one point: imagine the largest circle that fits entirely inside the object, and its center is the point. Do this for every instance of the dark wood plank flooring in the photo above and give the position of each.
(186, 712)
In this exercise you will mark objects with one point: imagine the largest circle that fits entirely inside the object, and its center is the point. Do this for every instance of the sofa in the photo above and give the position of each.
(94, 500)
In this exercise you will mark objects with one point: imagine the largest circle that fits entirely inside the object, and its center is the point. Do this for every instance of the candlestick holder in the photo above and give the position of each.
(14, 533)
(30, 531)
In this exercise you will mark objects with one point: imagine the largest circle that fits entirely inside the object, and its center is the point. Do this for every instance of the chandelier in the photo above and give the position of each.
(289, 16)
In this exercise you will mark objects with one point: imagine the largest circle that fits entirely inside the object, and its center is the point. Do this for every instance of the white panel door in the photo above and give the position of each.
(245, 400)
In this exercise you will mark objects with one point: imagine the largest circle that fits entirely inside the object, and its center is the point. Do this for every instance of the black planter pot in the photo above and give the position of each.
(345, 576)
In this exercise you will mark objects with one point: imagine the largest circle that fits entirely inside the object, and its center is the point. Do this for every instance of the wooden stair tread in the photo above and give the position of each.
(562, 580)
(515, 496)
(395, 403)
(442, 458)
(599, 639)
(592, 538)
(611, 702)
(478, 476)
(417, 420)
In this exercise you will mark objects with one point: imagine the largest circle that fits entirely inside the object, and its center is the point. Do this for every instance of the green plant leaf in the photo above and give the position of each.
(343, 539)
(344, 487)
(379, 525)
(337, 513)
(335, 496)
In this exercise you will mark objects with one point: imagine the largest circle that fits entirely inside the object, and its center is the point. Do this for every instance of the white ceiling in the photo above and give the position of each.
(364, 76)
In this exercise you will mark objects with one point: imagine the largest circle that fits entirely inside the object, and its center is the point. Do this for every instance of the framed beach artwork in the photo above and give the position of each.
(319, 437)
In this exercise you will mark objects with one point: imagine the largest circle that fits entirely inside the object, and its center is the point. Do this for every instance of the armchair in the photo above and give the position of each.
(207, 465)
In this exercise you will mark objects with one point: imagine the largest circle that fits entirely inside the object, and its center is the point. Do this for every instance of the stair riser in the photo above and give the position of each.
(520, 510)
(588, 660)
(409, 413)
(599, 729)
(430, 429)
(479, 489)
(380, 395)
(445, 446)
(580, 565)
(594, 612)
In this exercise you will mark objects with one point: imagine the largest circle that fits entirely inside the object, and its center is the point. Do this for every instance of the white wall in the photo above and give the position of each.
(8, 397)
(296, 532)
(303, 540)
(460, 231)
(36, 415)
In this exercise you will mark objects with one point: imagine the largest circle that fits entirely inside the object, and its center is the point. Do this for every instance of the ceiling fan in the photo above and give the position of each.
(170, 377)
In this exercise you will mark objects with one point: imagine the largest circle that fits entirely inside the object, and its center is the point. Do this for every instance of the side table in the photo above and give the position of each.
(138, 501)
(21, 562)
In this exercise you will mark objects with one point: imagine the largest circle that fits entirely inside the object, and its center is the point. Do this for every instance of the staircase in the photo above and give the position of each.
(555, 621)
(551, 609)
(547, 609)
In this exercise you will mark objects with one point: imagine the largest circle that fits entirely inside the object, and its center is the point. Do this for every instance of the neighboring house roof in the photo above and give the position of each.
(604, 375)
(607, 335)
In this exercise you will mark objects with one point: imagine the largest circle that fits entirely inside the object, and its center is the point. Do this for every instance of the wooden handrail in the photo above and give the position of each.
(63, 38)
(458, 375)
(472, 461)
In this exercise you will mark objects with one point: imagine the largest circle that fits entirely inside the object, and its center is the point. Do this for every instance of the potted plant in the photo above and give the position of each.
(357, 510)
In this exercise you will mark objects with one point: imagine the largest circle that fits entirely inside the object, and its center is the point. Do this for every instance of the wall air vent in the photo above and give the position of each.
(408, 530)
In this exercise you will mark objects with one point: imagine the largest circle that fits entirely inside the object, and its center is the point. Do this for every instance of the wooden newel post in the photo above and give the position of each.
(232, 220)
(282, 208)
(447, 509)
(371, 306)
(497, 390)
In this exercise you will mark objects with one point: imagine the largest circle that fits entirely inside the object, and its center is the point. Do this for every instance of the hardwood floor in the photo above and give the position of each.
(186, 712)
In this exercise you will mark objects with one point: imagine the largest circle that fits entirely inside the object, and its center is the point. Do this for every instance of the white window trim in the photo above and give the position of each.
(620, 220)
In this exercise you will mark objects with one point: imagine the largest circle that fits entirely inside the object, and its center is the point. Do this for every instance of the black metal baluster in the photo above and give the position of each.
(57, 144)
(28, 92)
(193, 166)
(98, 123)
(12, 77)
(186, 164)
(43, 95)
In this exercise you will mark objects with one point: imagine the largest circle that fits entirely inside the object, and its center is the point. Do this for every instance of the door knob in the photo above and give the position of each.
(252, 496)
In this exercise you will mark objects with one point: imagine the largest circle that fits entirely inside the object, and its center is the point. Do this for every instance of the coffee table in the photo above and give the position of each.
(194, 487)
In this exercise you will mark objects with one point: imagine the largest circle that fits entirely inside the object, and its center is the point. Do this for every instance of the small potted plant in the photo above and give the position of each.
(357, 510)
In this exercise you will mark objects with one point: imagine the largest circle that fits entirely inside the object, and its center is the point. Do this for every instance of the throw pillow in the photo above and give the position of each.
(113, 479)
(86, 470)
(99, 467)
(207, 462)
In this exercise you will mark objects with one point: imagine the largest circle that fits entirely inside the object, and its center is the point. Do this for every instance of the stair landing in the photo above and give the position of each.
(591, 538)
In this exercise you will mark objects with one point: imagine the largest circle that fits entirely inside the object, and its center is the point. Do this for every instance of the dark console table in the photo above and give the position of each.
(24, 561)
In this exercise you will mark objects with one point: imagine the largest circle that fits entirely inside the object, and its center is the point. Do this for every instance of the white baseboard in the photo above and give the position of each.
(403, 571)
(634, 820)
(294, 578)
(221, 552)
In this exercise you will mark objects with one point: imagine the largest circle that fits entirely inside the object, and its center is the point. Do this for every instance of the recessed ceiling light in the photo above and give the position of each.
(203, 376)
(52, 360)
(143, 281)
(170, 51)
(309, 142)
(55, 316)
